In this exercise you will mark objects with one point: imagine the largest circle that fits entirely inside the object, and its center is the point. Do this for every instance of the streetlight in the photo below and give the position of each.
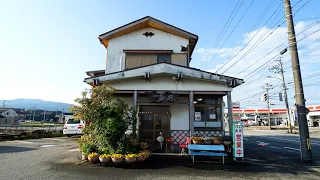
(279, 69)
(274, 77)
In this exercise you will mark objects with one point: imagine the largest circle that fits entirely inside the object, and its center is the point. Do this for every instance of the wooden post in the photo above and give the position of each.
(230, 114)
(191, 113)
(222, 116)
(135, 97)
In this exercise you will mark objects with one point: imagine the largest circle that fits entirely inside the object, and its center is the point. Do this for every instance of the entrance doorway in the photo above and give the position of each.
(152, 121)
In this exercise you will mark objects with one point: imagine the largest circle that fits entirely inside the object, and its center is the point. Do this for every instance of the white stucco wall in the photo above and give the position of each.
(167, 84)
(179, 117)
(128, 100)
(9, 113)
(137, 41)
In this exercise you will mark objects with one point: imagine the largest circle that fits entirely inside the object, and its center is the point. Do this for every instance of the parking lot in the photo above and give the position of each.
(58, 158)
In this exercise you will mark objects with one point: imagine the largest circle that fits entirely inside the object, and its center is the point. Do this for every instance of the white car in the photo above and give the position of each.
(73, 127)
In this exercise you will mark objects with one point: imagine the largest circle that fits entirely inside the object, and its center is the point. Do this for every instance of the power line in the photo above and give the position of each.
(277, 54)
(232, 31)
(259, 60)
(262, 65)
(254, 46)
(250, 39)
(223, 31)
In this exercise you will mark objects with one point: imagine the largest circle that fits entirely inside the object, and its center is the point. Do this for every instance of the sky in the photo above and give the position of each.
(47, 46)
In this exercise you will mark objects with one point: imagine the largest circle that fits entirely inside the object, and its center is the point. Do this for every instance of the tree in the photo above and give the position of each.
(106, 116)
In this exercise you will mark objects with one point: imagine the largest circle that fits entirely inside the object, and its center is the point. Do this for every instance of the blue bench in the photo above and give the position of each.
(206, 150)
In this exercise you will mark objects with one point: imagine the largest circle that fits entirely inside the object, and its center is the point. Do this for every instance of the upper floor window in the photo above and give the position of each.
(164, 58)
(8, 113)
(138, 58)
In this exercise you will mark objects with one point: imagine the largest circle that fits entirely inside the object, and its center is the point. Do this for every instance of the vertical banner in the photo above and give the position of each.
(238, 141)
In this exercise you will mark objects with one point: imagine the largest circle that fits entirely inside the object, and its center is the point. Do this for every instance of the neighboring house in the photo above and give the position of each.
(21, 114)
(8, 116)
(147, 62)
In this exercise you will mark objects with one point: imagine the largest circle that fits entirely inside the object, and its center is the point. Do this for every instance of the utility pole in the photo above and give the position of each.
(305, 145)
(34, 111)
(267, 87)
(279, 70)
(44, 115)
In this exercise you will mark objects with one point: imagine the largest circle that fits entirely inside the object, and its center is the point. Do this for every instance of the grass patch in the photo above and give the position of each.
(37, 124)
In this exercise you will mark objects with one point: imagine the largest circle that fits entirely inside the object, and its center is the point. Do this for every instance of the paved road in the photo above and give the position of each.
(278, 146)
(57, 158)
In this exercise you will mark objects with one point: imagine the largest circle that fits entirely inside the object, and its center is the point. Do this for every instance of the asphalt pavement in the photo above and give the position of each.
(58, 158)
(279, 147)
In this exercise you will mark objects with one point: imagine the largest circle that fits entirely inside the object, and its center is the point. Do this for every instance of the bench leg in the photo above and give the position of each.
(222, 160)
(182, 151)
(192, 159)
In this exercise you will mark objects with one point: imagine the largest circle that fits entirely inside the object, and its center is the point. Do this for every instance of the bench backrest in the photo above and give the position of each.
(206, 147)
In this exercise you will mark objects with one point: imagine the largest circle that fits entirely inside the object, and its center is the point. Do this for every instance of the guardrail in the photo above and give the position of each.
(30, 128)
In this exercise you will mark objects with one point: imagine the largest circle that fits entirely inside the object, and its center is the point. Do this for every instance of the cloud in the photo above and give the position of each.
(242, 65)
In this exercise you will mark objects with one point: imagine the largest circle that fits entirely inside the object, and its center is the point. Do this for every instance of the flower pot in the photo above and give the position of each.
(217, 142)
(130, 160)
(84, 157)
(141, 159)
(144, 147)
(117, 160)
(207, 142)
(93, 159)
(104, 160)
(196, 142)
(227, 143)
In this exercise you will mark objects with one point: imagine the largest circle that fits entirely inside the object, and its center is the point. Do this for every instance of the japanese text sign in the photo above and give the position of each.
(238, 141)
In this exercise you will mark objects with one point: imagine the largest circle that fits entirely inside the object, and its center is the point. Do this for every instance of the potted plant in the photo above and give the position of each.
(86, 148)
(134, 142)
(145, 153)
(117, 158)
(197, 140)
(207, 140)
(104, 158)
(143, 145)
(217, 140)
(227, 140)
(93, 157)
(130, 158)
(141, 157)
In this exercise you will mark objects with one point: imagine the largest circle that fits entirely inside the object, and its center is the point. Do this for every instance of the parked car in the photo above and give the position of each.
(73, 127)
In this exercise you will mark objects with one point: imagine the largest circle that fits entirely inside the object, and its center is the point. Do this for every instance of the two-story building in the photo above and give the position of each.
(148, 63)
(8, 116)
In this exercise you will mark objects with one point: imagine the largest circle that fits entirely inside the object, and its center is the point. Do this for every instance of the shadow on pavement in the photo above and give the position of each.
(184, 164)
(14, 149)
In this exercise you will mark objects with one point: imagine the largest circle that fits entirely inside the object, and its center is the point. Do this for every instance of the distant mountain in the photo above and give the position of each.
(40, 104)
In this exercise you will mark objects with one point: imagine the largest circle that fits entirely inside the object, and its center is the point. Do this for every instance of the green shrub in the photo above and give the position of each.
(107, 119)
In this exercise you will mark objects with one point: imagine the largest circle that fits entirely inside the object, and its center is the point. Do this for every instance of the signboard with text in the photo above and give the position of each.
(238, 141)
(197, 116)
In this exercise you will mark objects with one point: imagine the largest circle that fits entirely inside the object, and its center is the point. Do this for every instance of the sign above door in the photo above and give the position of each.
(162, 97)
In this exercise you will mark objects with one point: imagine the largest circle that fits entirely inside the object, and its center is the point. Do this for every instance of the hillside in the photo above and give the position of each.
(40, 104)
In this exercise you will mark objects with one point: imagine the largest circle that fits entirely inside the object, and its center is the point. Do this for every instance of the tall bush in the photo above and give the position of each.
(107, 118)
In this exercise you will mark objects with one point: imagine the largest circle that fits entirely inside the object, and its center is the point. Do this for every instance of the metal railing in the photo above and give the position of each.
(30, 128)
